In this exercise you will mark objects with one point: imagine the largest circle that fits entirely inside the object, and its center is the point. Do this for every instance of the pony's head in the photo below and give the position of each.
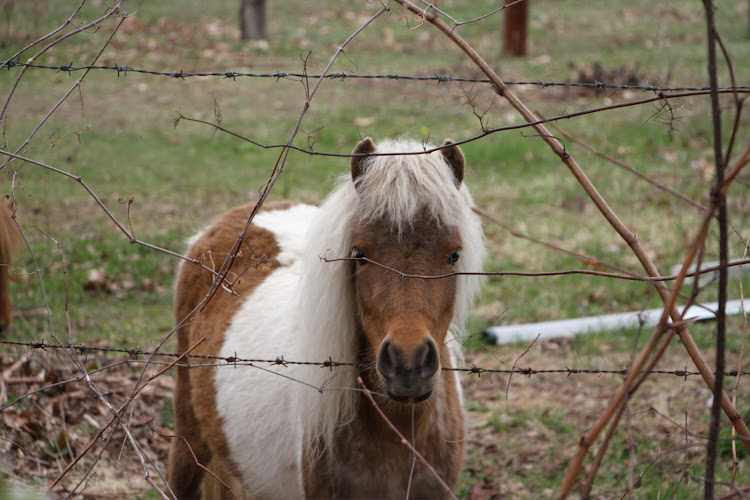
(407, 223)
(413, 214)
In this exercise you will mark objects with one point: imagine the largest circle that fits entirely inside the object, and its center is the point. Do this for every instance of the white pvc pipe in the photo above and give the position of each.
(570, 327)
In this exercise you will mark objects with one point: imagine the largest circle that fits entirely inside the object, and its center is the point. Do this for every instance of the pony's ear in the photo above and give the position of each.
(455, 158)
(365, 147)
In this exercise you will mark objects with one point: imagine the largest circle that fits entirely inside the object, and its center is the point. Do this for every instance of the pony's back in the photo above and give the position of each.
(240, 419)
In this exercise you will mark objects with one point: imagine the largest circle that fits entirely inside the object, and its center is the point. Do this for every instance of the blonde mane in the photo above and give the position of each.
(396, 189)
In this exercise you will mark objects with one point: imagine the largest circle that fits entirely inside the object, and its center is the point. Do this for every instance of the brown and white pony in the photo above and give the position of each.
(9, 240)
(271, 436)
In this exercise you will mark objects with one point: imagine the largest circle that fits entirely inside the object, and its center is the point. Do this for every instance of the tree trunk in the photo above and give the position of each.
(253, 19)
(514, 34)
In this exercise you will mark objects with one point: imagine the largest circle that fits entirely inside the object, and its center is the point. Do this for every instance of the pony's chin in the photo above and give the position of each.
(409, 400)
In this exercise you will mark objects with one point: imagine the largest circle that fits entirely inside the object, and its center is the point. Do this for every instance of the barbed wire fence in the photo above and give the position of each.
(121, 70)
(68, 352)
(205, 360)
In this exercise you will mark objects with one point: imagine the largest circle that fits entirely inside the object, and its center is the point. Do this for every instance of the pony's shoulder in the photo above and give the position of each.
(289, 225)
(285, 221)
(274, 239)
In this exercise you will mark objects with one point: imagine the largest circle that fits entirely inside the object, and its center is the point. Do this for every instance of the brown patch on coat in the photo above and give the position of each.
(10, 238)
(196, 418)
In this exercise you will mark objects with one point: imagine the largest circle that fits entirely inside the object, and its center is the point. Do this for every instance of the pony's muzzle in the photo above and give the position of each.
(408, 377)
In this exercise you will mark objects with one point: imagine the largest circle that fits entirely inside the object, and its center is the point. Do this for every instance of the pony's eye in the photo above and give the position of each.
(453, 258)
(359, 255)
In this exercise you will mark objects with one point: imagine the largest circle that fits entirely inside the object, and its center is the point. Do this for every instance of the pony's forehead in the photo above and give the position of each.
(425, 226)
(402, 188)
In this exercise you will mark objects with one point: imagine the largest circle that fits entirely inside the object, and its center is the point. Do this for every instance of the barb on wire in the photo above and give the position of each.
(155, 356)
(115, 419)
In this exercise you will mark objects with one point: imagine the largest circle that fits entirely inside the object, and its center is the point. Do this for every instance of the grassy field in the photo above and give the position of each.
(118, 133)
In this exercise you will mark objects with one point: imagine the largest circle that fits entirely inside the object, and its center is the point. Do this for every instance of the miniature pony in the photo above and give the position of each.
(343, 282)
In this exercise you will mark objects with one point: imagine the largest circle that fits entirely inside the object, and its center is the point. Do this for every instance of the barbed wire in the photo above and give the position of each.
(124, 70)
(84, 349)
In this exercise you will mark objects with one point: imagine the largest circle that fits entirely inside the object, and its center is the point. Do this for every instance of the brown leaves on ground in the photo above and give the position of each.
(59, 415)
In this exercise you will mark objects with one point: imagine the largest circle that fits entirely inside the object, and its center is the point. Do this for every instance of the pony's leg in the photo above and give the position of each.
(228, 489)
(183, 474)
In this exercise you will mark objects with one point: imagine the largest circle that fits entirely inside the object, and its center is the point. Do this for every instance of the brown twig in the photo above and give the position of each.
(588, 272)
(52, 33)
(482, 135)
(585, 259)
(600, 453)
(105, 209)
(588, 483)
(283, 155)
(745, 327)
(515, 363)
(721, 202)
(625, 166)
(114, 10)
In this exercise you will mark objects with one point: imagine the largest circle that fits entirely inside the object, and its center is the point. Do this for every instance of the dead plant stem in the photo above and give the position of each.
(720, 200)
(668, 298)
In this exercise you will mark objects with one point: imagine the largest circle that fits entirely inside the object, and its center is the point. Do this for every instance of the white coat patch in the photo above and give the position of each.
(258, 404)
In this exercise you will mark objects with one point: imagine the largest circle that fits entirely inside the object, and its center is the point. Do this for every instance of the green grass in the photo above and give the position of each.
(119, 135)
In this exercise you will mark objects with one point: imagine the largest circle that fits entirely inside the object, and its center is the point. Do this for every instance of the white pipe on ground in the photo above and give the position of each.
(570, 327)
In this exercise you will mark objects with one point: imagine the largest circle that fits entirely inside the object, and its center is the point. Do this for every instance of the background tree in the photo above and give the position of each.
(253, 19)
(514, 32)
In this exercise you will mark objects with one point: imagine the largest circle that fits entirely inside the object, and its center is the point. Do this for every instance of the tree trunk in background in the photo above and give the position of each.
(253, 19)
(514, 34)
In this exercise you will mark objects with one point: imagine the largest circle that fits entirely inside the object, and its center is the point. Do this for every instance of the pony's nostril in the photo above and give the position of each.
(387, 359)
(427, 361)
